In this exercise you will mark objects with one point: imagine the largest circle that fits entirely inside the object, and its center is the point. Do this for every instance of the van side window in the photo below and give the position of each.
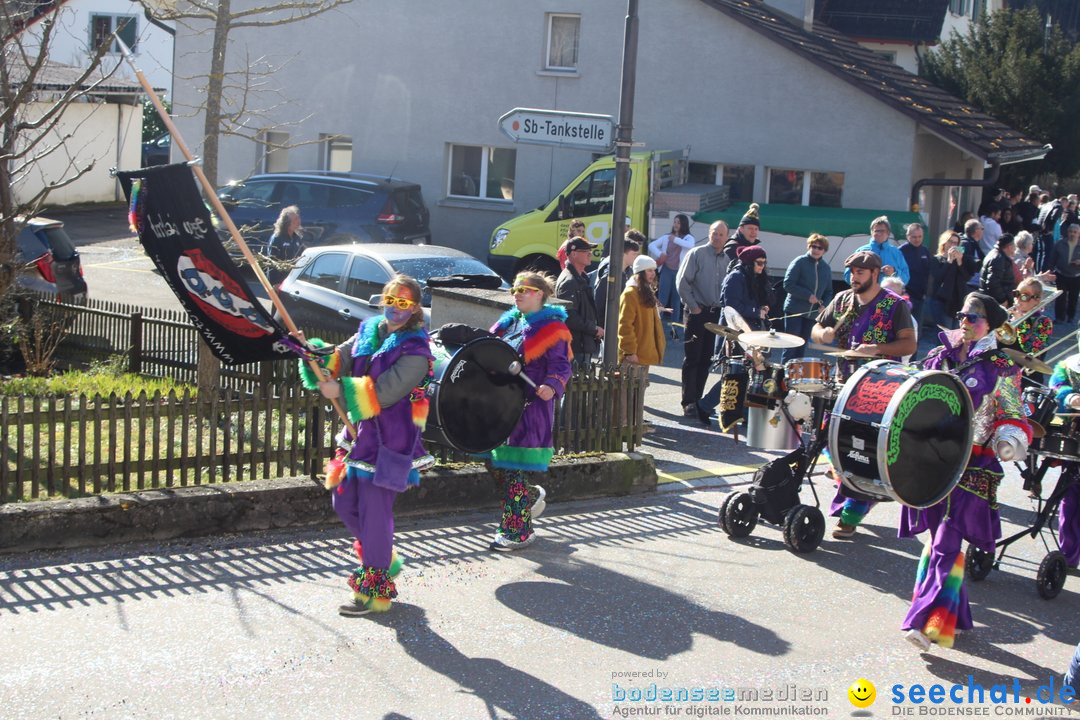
(304, 195)
(595, 195)
(325, 270)
(343, 197)
(366, 278)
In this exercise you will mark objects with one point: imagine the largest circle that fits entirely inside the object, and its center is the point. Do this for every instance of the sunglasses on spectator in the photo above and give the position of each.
(1023, 297)
(398, 302)
(522, 289)
(970, 317)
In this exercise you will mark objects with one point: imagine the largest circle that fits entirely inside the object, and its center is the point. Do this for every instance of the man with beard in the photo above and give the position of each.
(745, 236)
(871, 320)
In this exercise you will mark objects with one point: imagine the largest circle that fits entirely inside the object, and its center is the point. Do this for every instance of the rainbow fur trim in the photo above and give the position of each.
(420, 412)
(543, 330)
(373, 587)
(854, 511)
(360, 397)
(367, 338)
(940, 626)
(396, 562)
(335, 469)
(509, 457)
(331, 362)
(133, 206)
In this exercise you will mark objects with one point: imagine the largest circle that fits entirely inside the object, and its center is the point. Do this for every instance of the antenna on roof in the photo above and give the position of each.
(391, 175)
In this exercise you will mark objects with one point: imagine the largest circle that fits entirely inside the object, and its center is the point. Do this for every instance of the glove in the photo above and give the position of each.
(1010, 443)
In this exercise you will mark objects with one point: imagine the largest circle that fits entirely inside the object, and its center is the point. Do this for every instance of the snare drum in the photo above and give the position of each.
(1038, 405)
(808, 375)
(766, 387)
(1057, 445)
(900, 433)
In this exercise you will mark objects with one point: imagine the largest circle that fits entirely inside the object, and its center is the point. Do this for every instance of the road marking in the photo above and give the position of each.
(720, 470)
(115, 262)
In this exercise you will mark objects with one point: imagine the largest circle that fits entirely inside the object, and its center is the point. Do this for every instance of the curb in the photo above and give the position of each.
(287, 503)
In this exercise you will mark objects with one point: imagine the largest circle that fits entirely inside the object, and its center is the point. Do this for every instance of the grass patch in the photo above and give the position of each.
(102, 378)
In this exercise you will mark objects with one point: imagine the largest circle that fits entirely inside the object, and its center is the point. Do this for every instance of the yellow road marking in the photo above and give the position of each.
(715, 471)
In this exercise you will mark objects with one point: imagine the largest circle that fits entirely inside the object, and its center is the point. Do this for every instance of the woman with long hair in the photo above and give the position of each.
(948, 280)
(669, 251)
(641, 333)
(381, 372)
(538, 331)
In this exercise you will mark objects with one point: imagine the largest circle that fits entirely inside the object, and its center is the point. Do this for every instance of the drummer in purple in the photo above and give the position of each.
(871, 320)
(1065, 384)
(939, 605)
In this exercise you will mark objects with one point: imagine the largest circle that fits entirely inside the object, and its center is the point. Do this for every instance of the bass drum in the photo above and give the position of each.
(475, 401)
(900, 433)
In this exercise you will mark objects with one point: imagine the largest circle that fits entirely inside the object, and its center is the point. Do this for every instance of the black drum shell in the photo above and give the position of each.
(766, 387)
(475, 402)
(1057, 445)
(934, 442)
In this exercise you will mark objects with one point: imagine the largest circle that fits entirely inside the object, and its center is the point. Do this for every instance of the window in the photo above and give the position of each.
(887, 55)
(366, 278)
(595, 195)
(304, 195)
(249, 195)
(562, 42)
(273, 151)
(481, 172)
(959, 7)
(804, 187)
(337, 153)
(738, 178)
(325, 270)
(125, 26)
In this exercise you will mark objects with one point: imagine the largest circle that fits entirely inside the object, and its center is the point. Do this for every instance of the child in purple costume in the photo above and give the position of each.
(939, 604)
(1065, 383)
(381, 373)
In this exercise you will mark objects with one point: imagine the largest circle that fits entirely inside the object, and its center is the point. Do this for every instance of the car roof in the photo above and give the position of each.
(38, 222)
(354, 178)
(391, 251)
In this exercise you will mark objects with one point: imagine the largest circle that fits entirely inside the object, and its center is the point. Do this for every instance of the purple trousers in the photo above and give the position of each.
(368, 513)
(1069, 525)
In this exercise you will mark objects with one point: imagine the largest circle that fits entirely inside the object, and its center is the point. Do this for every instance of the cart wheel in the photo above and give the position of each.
(804, 526)
(979, 563)
(740, 515)
(723, 513)
(1052, 573)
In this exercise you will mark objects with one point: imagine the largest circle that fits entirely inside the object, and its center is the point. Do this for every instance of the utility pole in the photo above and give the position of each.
(623, 143)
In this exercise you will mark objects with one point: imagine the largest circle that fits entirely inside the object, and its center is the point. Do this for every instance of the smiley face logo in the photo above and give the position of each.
(862, 693)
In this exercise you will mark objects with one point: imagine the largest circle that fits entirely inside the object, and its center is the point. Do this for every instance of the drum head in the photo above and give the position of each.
(476, 402)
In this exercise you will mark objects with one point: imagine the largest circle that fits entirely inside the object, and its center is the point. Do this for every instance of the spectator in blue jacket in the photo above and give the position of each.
(808, 284)
(892, 260)
(919, 262)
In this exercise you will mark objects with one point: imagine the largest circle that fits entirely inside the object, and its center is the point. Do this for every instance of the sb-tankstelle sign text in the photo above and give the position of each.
(583, 131)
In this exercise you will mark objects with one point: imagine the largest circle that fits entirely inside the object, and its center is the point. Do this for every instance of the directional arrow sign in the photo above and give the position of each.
(583, 131)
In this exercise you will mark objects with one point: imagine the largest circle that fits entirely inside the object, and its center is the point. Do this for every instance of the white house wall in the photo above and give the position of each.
(404, 80)
(100, 128)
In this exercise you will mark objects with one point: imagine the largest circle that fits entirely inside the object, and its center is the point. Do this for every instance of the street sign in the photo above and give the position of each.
(583, 131)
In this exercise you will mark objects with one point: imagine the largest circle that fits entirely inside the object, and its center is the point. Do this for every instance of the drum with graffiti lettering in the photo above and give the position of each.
(900, 433)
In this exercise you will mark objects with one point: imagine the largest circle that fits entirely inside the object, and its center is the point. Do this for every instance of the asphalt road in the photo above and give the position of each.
(618, 595)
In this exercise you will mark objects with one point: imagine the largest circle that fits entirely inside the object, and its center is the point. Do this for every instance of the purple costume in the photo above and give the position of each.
(939, 604)
(874, 324)
(544, 340)
(1065, 382)
(362, 500)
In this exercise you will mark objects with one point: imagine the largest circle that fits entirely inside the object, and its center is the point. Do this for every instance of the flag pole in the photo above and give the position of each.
(219, 208)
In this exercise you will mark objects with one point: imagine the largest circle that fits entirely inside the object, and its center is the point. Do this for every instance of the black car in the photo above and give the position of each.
(48, 261)
(156, 151)
(330, 286)
(335, 207)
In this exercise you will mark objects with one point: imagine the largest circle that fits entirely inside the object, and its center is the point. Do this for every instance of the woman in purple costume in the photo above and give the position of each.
(939, 605)
(381, 373)
(1065, 383)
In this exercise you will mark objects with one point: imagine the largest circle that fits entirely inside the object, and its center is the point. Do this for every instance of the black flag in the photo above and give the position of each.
(176, 231)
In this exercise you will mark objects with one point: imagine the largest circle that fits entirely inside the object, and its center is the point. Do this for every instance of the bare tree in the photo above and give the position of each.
(227, 110)
(31, 111)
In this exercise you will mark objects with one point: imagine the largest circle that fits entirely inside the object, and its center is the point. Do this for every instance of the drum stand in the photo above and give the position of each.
(1053, 569)
(774, 495)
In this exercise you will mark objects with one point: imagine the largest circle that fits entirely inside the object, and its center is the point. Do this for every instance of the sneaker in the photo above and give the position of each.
(539, 503)
(354, 609)
(501, 543)
(843, 531)
(918, 639)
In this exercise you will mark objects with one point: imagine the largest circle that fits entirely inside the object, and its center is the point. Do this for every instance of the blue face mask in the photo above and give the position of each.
(395, 315)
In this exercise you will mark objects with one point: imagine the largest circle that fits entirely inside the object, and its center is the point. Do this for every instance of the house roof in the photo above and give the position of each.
(57, 76)
(940, 113)
(912, 21)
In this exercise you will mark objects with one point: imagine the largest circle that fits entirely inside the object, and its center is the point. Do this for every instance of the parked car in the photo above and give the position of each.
(330, 286)
(48, 261)
(335, 207)
(156, 151)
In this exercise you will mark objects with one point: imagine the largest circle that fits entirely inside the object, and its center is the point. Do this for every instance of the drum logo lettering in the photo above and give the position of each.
(871, 397)
(457, 372)
(858, 457)
(921, 394)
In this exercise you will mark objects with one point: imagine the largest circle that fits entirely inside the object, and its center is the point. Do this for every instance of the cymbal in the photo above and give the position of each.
(1027, 361)
(721, 330)
(851, 354)
(771, 339)
(1037, 430)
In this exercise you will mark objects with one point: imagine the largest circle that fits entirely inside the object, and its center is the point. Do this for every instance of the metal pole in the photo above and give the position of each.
(623, 134)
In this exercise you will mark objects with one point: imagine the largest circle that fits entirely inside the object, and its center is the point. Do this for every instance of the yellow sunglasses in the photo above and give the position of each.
(398, 302)
(521, 289)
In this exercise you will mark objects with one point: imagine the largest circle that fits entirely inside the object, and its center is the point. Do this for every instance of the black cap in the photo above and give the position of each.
(578, 243)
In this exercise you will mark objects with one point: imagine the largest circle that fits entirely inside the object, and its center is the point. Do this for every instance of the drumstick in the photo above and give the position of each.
(515, 368)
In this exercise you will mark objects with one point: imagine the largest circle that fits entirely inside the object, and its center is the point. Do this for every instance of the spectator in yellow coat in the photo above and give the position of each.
(641, 334)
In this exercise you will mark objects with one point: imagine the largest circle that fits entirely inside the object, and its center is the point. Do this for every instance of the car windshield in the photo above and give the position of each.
(423, 268)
